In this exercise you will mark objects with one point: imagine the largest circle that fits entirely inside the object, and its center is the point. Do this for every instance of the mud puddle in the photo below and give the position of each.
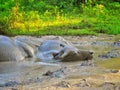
(102, 73)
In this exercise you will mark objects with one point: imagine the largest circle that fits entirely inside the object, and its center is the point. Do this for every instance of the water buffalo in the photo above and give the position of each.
(63, 51)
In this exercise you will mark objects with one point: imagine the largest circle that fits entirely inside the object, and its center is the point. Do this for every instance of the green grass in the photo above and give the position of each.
(88, 27)
(52, 32)
(91, 21)
(80, 25)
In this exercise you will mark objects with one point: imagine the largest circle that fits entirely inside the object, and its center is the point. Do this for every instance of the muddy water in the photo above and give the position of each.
(29, 74)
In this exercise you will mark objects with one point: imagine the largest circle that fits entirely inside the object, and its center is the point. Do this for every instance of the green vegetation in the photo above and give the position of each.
(59, 17)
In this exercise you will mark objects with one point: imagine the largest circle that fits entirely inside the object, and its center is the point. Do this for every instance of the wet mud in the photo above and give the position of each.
(101, 73)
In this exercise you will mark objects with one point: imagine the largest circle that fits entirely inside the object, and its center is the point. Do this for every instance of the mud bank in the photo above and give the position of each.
(98, 74)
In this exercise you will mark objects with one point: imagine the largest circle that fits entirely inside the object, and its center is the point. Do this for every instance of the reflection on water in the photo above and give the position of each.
(8, 67)
(11, 67)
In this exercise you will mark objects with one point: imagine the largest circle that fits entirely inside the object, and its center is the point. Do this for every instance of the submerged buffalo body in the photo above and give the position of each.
(14, 50)
(18, 49)
(48, 48)
(8, 50)
(58, 50)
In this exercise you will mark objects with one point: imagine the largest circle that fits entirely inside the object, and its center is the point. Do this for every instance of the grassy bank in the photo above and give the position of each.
(53, 20)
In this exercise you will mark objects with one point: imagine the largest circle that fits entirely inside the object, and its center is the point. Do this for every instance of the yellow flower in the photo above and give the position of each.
(100, 8)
